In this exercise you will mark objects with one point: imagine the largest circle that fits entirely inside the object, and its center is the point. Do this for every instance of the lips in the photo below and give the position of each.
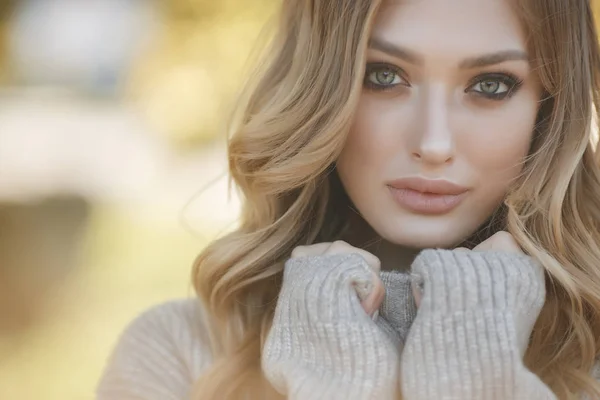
(437, 186)
(425, 196)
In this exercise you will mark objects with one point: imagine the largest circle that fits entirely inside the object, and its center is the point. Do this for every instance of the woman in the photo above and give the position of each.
(441, 148)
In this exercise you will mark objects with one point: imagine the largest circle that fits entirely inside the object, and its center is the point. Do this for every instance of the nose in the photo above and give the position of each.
(433, 139)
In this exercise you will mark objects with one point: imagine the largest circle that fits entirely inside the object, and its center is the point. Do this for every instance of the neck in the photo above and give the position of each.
(392, 256)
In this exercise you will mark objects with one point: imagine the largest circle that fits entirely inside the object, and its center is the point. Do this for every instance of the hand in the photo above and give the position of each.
(327, 292)
(371, 298)
(500, 241)
(486, 300)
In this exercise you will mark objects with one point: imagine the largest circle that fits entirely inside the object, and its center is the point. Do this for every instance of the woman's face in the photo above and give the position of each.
(444, 120)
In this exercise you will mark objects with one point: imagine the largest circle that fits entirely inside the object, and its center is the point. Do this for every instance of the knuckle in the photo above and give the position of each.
(297, 252)
(316, 248)
(373, 262)
(503, 235)
(500, 234)
(510, 240)
(339, 244)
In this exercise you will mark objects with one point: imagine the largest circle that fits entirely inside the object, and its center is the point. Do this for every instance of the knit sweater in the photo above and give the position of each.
(466, 341)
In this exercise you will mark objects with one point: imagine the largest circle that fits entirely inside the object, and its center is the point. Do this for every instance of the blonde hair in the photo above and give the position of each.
(290, 129)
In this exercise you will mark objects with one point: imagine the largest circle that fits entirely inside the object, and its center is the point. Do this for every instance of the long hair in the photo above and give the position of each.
(288, 131)
(554, 211)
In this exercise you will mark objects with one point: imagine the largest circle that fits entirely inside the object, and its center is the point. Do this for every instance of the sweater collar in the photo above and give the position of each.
(398, 307)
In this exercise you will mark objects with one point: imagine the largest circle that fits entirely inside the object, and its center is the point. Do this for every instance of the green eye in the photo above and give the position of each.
(492, 87)
(383, 76)
(495, 86)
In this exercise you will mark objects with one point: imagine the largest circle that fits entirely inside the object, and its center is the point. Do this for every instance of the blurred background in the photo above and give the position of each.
(112, 166)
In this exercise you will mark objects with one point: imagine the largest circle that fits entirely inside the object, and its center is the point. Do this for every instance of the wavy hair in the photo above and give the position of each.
(288, 131)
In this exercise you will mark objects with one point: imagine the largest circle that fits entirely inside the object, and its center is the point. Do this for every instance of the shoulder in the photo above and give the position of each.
(159, 355)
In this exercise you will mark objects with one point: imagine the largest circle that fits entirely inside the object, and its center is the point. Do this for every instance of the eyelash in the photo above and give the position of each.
(510, 80)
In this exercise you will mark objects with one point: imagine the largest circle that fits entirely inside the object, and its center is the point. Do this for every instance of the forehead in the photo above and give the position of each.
(460, 27)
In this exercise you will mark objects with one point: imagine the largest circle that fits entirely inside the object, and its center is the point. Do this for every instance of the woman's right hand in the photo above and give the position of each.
(372, 295)
(323, 342)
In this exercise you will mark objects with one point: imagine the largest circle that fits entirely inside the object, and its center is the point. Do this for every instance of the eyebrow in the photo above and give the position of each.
(468, 63)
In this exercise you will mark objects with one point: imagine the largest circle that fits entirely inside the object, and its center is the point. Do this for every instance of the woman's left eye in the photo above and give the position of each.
(495, 87)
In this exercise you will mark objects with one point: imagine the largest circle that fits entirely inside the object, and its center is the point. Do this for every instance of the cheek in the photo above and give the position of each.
(375, 139)
(496, 146)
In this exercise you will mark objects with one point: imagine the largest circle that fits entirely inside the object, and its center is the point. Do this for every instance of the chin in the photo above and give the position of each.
(424, 242)
(427, 234)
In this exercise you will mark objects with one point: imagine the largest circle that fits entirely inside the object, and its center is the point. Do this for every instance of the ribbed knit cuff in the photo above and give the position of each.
(332, 361)
(473, 326)
(325, 288)
(466, 280)
(322, 344)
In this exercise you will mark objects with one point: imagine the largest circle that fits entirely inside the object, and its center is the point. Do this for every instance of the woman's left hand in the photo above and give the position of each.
(500, 241)
(475, 318)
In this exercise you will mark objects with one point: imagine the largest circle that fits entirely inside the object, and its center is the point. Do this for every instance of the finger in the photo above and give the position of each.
(341, 247)
(507, 242)
(370, 301)
(376, 296)
(373, 301)
(312, 250)
(461, 249)
(417, 294)
(500, 241)
(373, 261)
(486, 245)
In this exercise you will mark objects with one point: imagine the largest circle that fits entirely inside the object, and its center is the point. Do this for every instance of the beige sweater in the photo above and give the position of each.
(466, 341)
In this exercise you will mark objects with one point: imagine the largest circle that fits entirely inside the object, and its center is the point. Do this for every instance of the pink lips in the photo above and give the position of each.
(425, 196)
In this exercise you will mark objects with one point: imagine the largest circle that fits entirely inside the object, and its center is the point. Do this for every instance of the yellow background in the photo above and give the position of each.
(130, 255)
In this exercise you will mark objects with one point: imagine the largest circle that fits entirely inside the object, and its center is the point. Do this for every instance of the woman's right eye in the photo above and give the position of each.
(383, 77)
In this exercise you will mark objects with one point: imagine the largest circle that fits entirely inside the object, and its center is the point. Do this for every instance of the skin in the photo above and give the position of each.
(437, 119)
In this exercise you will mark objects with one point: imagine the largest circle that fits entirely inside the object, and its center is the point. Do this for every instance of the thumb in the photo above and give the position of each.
(373, 300)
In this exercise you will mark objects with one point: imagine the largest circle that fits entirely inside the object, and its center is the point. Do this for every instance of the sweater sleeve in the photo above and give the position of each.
(473, 326)
(322, 345)
(159, 355)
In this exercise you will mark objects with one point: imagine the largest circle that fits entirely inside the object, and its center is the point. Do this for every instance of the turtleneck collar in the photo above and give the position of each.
(398, 307)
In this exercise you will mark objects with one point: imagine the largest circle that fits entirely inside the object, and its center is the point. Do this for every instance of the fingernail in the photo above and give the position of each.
(375, 315)
(417, 281)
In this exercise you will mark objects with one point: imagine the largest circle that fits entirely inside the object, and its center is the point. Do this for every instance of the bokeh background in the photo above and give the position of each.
(112, 163)
(112, 170)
